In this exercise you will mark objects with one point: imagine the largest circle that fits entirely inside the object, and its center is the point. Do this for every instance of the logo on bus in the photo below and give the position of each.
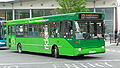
(46, 36)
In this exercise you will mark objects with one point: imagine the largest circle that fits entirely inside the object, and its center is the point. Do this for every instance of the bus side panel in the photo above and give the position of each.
(39, 45)
(32, 44)
(64, 47)
(11, 42)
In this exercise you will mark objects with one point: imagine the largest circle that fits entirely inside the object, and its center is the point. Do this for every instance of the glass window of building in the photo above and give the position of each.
(109, 18)
(22, 13)
(42, 12)
(6, 14)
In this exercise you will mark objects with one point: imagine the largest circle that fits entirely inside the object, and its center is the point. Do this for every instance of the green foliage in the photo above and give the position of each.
(70, 6)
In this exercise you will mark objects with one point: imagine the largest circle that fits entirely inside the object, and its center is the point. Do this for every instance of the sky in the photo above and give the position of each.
(5, 0)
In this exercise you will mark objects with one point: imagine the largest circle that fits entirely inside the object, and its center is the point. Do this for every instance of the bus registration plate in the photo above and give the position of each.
(92, 51)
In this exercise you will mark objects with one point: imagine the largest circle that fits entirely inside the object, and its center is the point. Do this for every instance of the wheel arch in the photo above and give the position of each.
(18, 43)
(53, 47)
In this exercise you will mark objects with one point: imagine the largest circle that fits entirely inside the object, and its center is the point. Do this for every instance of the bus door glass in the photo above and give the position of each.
(96, 29)
(66, 29)
(100, 29)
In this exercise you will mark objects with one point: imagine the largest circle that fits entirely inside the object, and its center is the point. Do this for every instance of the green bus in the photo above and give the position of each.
(70, 34)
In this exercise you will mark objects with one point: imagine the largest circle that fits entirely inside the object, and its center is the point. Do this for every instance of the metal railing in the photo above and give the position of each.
(113, 38)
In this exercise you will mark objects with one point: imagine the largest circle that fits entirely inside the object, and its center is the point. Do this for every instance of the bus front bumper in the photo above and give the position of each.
(85, 51)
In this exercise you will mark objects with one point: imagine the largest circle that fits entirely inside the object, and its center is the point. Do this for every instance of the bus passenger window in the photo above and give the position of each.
(25, 30)
(30, 30)
(46, 35)
(9, 30)
(41, 30)
(54, 30)
(35, 30)
(13, 30)
(66, 29)
(19, 31)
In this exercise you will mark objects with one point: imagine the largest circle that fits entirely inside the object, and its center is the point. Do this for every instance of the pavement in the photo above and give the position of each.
(107, 43)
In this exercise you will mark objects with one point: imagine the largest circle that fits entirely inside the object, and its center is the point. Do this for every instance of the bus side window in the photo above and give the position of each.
(54, 30)
(30, 30)
(46, 35)
(13, 29)
(66, 29)
(26, 30)
(9, 30)
(19, 31)
(69, 29)
(41, 30)
(35, 31)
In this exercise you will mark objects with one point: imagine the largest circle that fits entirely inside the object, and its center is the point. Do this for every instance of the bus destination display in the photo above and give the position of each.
(90, 16)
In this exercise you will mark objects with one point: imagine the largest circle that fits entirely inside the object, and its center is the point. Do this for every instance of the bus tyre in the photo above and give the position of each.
(55, 52)
(19, 48)
(81, 55)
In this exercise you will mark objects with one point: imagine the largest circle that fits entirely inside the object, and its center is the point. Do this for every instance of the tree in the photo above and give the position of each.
(70, 6)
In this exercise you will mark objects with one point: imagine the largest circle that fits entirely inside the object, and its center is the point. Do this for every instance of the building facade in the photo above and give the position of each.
(20, 9)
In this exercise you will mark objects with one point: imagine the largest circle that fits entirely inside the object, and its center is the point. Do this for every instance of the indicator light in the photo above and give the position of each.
(75, 41)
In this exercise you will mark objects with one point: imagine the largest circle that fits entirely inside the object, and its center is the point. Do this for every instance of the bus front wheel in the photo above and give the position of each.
(19, 48)
(55, 52)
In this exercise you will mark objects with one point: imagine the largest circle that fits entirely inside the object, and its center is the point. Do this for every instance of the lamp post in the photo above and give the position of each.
(116, 19)
(118, 15)
(13, 11)
(94, 5)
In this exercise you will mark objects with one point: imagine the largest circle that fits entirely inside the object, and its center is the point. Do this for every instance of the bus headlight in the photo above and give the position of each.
(103, 47)
(79, 49)
(104, 39)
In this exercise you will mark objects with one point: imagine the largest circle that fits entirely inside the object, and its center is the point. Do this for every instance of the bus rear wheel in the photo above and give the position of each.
(55, 52)
(19, 48)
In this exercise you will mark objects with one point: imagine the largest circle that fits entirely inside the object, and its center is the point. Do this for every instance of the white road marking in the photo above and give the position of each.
(83, 65)
(91, 65)
(69, 66)
(65, 65)
(11, 66)
(25, 63)
(30, 63)
(75, 65)
(5, 67)
(116, 60)
(54, 66)
(99, 65)
(108, 64)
